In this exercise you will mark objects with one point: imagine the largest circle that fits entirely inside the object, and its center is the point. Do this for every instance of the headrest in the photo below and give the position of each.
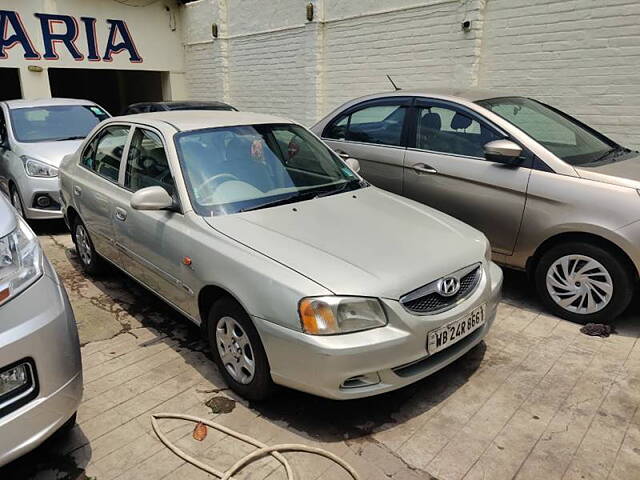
(460, 122)
(430, 121)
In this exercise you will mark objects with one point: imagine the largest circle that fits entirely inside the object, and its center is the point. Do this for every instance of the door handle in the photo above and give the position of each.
(77, 191)
(344, 155)
(424, 168)
(121, 214)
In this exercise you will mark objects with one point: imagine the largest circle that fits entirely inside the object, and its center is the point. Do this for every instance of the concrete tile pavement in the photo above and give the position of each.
(536, 400)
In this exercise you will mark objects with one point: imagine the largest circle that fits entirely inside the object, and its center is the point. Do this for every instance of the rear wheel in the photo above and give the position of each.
(584, 283)
(238, 351)
(16, 200)
(90, 260)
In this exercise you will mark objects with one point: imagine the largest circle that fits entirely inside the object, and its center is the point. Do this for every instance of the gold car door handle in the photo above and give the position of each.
(424, 168)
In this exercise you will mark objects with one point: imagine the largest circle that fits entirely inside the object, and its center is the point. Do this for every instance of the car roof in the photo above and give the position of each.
(468, 94)
(184, 104)
(46, 102)
(184, 120)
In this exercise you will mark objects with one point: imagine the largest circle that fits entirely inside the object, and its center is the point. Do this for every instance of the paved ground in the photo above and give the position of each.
(536, 400)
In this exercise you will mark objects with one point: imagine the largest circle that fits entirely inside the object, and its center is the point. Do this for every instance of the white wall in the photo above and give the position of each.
(580, 55)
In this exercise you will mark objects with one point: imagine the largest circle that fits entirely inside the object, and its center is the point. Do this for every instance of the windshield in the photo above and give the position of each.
(234, 169)
(559, 133)
(55, 123)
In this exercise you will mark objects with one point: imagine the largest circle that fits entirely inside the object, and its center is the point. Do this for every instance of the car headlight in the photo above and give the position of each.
(36, 168)
(331, 315)
(20, 261)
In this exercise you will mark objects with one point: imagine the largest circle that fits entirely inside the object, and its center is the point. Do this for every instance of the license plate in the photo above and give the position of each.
(455, 331)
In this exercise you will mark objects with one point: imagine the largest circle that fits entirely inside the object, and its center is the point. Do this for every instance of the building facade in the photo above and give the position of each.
(283, 57)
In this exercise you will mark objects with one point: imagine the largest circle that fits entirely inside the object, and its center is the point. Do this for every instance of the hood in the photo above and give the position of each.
(7, 217)
(367, 242)
(625, 173)
(49, 152)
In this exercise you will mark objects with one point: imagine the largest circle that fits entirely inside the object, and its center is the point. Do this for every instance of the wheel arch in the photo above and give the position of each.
(208, 296)
(592, 238)
(71, 214)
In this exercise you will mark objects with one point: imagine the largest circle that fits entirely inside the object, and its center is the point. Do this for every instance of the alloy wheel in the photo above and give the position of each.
(82, 244)
(579, 284)
(235, 349)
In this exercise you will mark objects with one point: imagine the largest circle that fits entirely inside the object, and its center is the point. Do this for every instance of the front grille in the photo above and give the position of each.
(426, 300)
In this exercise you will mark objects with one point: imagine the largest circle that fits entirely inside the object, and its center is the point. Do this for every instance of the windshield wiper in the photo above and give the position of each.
(280, 201)
(344, 187)
(77, 137)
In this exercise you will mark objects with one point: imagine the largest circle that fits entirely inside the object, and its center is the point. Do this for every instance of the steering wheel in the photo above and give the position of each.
(220, 178)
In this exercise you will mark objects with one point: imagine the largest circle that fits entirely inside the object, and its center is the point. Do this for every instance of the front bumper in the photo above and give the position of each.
(32, 187)
(39, 324)
(395, 353)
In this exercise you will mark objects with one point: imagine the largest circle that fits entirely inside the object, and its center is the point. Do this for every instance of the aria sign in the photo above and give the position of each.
(64, 29)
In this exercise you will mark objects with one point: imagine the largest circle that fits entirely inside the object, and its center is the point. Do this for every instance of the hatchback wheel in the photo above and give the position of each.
(89, 259)
(238, 351)
(583, 282)
(16, 201)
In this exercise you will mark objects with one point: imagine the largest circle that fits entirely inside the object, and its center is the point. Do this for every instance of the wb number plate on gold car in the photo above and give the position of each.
(453, 332)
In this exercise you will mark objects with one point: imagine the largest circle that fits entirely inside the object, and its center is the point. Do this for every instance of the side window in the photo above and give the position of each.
(447, 130)
(147, 163)
(104, 154)
(338, 129)
(537, 125)
(379, 124)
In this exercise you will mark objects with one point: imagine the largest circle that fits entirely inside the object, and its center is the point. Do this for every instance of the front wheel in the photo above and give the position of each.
(238, 351)
(584, 283)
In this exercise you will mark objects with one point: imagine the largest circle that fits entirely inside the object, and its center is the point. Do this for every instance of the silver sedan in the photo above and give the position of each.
(40, 368)
(298, 271)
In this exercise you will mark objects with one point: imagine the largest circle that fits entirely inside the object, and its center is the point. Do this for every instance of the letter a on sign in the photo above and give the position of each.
(119, 28)
(68, 38)
(10, 21)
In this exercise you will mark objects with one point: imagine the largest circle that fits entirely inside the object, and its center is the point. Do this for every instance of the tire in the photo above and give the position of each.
(599, 285)
(236, 347)
(90, 260)
(16, 200)
(68, 425)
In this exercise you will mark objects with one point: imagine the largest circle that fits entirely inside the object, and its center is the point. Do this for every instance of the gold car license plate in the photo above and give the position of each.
(455, 331)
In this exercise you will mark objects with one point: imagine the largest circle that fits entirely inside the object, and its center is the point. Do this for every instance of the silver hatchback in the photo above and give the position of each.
(298, 271)
(555, 197)
(34, 137)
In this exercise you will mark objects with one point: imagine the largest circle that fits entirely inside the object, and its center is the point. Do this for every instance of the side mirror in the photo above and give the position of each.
(503, 151)
(151, 198)
(353, 164)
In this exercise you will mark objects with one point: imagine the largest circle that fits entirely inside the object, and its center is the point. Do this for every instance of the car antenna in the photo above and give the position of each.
(396, 88)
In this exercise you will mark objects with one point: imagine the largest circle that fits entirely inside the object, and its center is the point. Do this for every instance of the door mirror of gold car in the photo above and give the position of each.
(152, 198)
(353, 164)
(503, 151)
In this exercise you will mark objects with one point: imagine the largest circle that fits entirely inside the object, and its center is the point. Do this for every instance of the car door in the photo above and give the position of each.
(445, 168)
(149, 240)
(373, 132)
(96, 185)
